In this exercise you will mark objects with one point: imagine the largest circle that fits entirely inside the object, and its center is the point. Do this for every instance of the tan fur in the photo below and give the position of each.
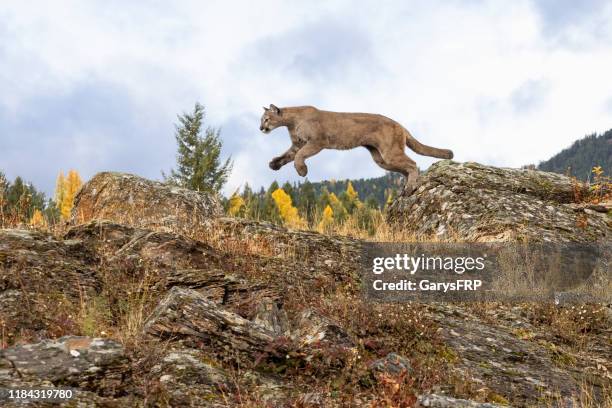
(312, 130)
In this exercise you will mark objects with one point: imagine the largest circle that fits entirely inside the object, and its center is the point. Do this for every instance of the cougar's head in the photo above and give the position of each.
(271, 119)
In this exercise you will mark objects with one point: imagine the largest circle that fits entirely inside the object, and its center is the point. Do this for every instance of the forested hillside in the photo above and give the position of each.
(582, 156)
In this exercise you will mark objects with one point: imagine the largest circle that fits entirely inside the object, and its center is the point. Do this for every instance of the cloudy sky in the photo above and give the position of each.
(96, 86)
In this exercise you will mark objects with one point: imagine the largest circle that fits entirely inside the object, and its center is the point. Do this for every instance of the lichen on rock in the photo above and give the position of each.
(474, 202)
(136, 201)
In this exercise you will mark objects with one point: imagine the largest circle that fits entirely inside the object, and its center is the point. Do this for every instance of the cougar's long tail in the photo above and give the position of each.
(425, 150)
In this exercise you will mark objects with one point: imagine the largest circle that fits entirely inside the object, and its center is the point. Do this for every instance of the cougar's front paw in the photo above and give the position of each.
(275, 164)
(302, 170)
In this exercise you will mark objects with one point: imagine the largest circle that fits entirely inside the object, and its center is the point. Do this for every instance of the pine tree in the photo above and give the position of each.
(198, 161)
(270, 210)
(307, 201)
(371, 202)
(4, 185)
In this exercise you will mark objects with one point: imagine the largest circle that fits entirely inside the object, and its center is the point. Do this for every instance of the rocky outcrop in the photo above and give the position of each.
(189, 380)
(473, 202)
(246, 313)
(185, 313)
(91, 364)
(132, 200)
(39, 275)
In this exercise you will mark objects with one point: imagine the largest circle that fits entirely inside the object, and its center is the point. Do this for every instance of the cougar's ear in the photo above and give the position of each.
(265, 109)
(275, 109)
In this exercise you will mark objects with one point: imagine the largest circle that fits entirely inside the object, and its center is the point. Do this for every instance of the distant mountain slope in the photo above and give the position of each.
(592, 150)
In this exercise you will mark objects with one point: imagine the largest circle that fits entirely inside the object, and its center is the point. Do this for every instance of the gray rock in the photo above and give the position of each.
(442, 401)
(473, 202)
(272, 318)
(314, 328)
(91, 364)
(136, 201)
(392, 364)
(186, 313)
(188, 379)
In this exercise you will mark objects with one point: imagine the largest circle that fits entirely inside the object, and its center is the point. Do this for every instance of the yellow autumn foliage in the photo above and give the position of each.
(65, 191)
(236, 202)
(351, 193)
(327, 220)
(38, 220)
(287, 211)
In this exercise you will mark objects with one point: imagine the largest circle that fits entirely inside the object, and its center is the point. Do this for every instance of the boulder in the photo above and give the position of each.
(188, 380)
(391, 364)
(187, 314)
(91, 364)
(135, 201)
(315, 328)
(473, 202)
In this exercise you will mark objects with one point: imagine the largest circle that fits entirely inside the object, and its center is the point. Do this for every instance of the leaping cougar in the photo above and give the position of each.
(313, 130)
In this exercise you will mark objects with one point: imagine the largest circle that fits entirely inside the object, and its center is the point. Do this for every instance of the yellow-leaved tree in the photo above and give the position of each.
(38, 220)
(351, 193)
(350, 198)
(287, 211)
(65, 190)
(339, 209)
(327, 220)
(236, 203)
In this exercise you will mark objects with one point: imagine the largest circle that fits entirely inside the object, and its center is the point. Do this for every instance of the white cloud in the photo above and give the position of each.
(503, 84)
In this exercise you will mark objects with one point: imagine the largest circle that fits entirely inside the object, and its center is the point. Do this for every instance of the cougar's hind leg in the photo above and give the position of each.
(405, 165)
(378, 158)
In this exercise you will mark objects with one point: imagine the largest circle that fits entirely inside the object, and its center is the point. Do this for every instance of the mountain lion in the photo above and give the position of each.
(312, 130)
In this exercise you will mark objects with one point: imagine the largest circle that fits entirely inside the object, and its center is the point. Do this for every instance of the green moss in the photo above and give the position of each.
(497, 399)
(523, 334)
(448, 354)
(559, 357)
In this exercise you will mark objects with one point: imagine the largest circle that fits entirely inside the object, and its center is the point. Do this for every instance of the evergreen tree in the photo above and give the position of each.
(270, 210)
(4, 185)
(579, 159)
(324, 199)
(198, 161)
(307, 201)
(371, 202)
